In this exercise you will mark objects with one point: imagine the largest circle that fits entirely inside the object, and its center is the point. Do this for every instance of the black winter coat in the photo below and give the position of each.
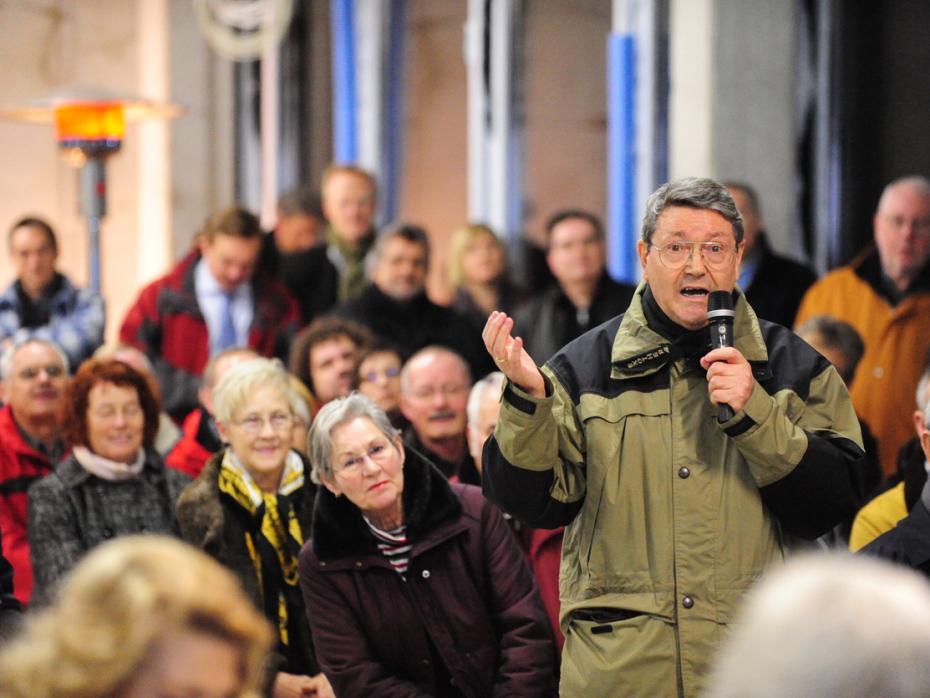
(417, 323)
(211, 522)
(550, 321)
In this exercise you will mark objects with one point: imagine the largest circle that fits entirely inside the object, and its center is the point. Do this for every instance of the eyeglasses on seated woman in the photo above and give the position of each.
(251, 508)
(412, 585)
(113, 484)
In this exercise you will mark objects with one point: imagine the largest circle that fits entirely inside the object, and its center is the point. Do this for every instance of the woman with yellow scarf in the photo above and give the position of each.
(251, 509)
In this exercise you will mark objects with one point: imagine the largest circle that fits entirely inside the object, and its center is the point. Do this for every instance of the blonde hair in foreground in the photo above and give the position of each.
(113, 609)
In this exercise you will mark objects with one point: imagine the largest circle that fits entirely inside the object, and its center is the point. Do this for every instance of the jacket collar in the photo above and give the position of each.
(638, 350)
(338, 528)
(385, 304)
(72, 474)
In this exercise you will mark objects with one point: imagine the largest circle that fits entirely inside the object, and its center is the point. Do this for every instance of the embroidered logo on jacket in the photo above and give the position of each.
(650, 358)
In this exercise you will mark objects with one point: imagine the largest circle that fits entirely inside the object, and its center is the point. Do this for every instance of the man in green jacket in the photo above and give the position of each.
(671, 514)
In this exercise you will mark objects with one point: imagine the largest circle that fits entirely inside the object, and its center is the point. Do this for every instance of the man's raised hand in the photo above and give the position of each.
(510, 356)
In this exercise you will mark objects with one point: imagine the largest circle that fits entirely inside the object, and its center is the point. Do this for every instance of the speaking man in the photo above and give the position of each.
(671, 514)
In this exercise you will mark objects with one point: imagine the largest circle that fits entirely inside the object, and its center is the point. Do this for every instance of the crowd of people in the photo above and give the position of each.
(527, 491)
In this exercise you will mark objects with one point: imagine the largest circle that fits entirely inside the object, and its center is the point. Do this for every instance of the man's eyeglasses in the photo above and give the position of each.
(32, 372)
(716, 255)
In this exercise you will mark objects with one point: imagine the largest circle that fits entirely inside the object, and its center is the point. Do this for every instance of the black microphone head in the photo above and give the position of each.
(720, 300)
(720, 305)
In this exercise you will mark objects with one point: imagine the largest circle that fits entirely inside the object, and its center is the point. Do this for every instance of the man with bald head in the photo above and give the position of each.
(885, 295)
(34, 375)
(434, 387)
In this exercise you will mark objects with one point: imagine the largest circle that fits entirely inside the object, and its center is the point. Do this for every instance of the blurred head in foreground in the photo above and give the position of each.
(141, 616)
(829, 625)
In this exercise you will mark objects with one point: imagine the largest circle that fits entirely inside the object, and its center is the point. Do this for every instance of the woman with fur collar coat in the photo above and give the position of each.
(413, 586)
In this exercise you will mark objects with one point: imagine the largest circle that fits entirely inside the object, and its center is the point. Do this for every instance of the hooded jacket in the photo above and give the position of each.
(670, 516)
(466, 620)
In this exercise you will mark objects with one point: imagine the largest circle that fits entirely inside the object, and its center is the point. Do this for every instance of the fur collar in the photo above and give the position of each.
(338, 527)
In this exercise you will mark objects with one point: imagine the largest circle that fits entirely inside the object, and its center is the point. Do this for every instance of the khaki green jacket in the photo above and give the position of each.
(670, 515)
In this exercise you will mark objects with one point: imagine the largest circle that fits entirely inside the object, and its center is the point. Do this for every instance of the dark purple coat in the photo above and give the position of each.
(467, 621)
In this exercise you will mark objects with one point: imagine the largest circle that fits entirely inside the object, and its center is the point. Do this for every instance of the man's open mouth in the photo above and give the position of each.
(693, 291)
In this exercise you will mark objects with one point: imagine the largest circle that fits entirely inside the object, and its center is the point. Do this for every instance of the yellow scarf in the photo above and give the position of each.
(235, 481)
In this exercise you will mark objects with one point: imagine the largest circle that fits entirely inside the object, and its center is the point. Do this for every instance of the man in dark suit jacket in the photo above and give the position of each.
(583, 296)
(396, 308)
(774, 285)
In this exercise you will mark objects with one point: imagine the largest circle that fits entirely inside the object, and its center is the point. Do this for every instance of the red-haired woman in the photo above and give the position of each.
(113, 484)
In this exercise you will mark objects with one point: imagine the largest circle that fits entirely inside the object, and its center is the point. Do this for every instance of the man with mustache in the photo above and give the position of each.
(434, 386)
(34, 375)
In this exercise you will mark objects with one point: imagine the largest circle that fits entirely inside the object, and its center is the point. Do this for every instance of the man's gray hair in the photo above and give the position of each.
(6, 361)
(492, 381)
(334, 413)
(829, 625)
(406, 231)
(691, 192)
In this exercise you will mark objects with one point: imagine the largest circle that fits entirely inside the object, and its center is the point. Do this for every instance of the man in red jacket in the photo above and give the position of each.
(34, 377)
(212, 300)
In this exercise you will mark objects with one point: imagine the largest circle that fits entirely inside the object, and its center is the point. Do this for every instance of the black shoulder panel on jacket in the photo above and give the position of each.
(584, 366)
(792, 361)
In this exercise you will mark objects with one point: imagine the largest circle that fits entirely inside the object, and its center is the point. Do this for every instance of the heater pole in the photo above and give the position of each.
(92, 184)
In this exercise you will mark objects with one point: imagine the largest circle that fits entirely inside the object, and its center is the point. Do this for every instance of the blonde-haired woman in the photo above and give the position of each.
(251, 509)
(141, 616)
(479, 276)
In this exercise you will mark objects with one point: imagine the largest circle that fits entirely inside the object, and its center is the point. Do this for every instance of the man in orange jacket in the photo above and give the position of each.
(885, 295)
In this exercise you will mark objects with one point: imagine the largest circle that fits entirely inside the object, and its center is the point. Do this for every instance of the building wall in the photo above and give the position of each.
(731, 104)
(54, 44)
(166, 178)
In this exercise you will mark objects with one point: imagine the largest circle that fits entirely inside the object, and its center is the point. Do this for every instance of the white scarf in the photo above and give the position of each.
(107, 469)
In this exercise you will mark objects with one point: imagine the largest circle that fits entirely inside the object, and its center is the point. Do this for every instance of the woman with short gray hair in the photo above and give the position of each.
(413, 585)
(251, 509)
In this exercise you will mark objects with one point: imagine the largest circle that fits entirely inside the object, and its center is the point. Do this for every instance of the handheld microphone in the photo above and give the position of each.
(720, 315)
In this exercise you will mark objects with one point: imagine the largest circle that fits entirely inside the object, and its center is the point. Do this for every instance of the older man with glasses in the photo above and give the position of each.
(434, 387)
(672, 508)
(34, 375)
(885, 295)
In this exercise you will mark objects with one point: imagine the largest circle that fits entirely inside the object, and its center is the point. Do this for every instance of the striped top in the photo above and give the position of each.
(394, 546)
